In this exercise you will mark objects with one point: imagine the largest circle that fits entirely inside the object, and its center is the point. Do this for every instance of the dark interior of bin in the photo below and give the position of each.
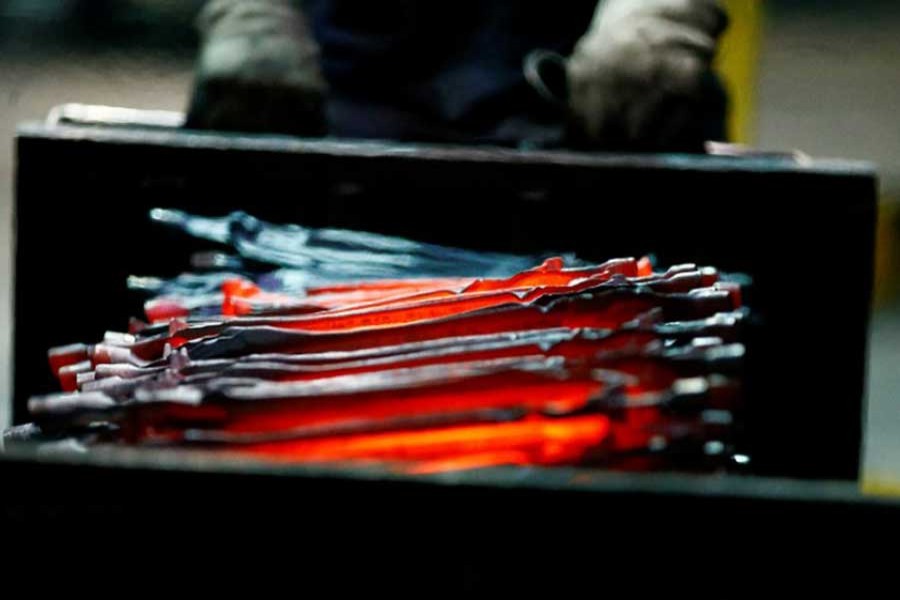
(803, 232)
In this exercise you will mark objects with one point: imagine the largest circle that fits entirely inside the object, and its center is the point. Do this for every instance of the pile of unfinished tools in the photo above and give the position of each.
(324, 346)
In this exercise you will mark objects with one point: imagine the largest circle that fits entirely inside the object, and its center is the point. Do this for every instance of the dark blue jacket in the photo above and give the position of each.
(442, 71)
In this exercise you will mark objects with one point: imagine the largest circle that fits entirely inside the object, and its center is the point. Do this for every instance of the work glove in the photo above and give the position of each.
(258, 70)
(641, 78)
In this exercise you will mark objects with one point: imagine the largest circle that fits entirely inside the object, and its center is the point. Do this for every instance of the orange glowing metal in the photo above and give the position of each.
(540, 441)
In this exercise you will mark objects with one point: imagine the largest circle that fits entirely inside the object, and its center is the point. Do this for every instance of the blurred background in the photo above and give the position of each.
(822, 76)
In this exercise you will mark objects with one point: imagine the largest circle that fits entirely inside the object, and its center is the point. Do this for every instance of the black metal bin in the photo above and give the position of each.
(795, 226)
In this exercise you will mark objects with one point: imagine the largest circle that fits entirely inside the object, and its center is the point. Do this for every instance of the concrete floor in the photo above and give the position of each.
(829, 86)
(882, 446)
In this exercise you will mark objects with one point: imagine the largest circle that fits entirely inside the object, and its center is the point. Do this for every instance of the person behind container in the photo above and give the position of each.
(624, 74)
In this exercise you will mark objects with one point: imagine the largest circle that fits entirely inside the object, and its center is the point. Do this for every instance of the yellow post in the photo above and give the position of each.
(738, 63)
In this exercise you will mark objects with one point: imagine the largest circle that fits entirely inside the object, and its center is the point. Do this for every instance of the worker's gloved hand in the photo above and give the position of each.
(258, 70)
(641, 78)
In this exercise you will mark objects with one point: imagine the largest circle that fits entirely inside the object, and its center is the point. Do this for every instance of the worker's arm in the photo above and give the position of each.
(641, 78)
(258, 69)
